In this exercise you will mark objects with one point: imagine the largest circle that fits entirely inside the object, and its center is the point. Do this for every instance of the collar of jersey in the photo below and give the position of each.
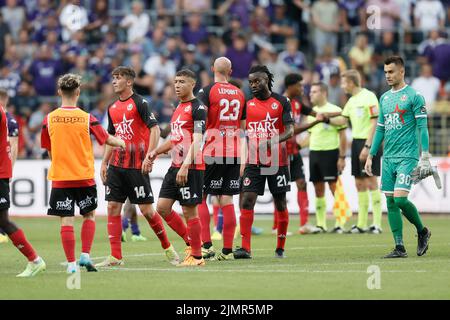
(395, 91)
(68, 107)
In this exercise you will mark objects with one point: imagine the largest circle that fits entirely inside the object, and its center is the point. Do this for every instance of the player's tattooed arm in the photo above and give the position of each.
(147, 164)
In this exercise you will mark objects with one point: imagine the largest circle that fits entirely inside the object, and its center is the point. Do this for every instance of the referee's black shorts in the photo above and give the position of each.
(323, 165)
(358, 166)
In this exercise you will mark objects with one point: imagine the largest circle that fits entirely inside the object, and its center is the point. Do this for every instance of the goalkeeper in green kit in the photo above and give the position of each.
(402, 124)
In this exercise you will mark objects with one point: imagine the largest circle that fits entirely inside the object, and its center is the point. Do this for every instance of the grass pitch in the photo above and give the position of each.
(325, 266)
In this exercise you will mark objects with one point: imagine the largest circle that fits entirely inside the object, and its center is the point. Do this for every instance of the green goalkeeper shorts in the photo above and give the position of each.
(396, 174)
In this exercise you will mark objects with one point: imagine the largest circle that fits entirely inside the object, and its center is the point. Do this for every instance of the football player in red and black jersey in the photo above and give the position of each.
(293, 91)
(125, 172)
(269, 124)
(35, 263)
(184, 180)
(225, 103)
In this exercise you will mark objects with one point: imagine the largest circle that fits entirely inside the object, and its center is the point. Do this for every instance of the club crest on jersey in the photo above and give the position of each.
(187, 109)
(403, 98)
(274, 106)
(130, 107)
(297, 105)
(247, 182)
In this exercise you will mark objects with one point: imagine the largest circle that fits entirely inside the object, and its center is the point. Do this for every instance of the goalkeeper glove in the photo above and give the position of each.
(424, 165)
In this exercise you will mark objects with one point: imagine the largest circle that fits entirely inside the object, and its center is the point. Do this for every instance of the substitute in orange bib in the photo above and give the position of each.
(66, 135)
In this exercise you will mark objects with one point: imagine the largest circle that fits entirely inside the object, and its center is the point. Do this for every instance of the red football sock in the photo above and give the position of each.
(157, 225)
(20, 242)
(115, 234)
(194, 229)
(283, 221)
(87, 235)
(275, 219)
(205, 219)
(246, 221)
(176, 223)
(229, 226)
(216, 209)
(68, 242)
(303, 204)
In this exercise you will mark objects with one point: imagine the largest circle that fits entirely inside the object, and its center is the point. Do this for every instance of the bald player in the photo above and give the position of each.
(225, 103)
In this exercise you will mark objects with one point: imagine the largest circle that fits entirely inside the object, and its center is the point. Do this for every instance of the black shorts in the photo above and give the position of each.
(222, 178)
(4, 194)
(128, 183)
(358, 166)
(63, 200)
(323, 165)
(254, 181)
(190, 194)
(296, 167)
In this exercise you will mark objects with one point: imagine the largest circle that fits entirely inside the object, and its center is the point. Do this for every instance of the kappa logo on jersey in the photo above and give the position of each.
(123, 129)
(187, 109)
(86, 202)
(394, 120)
(263, 129)
(152, 116)
(403, 98)
(251, 104)
(216, 184)
(176, 128)
(274, 106)
(64, 205)
(3, 200)
(247, 182)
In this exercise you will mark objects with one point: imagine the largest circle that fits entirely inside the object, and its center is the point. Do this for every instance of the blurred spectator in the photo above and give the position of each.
(26, 97)
(163, 107)
(429, 15)
(352, 13)
(51, 25)
(268, 56)
(172, 45)
(34, 129)
(100, 64)
(427, 85)
(137, 23)
(260, 27)
(22, 125)
(25, 48)
(190, 62)
(110, 45)
(37, 18)
(237, 8)
(241, 58)
(143, 81)
(5, 36)
(335, 93)
(52, 42)
(191, 6)
(156, 44)
(434, 39)
(76, 47)
(14, 16)
(73, 17)
(439, 58)
(99, 22)
(89, 82)
(162, 71)
(328, 65)
(406, 12)
(390, 13)
(44, 72)
(166, 7)
(324, 18)
(294, 58)
(234, 26)
(281, 26)
(361, 55)
(15, 64)
(194, 31)
(9, 81)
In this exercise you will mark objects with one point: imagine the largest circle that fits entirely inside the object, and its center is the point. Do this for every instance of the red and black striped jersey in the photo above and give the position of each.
(189, 118)
(130, 120)
(297, 111)
(226, 104)
(5, 149)
(266, 119)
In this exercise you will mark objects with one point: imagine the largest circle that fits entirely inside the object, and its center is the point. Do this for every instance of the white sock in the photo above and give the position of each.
(85, 255)
(72, 265)
(37, 260)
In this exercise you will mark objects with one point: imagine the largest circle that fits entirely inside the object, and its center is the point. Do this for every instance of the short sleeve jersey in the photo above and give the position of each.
(297, 111)
(5, 150)
(360, 108)
(324, 136)
(130, 120)
(399, 113)
(189, 118)
(267, 119)
(225, 104)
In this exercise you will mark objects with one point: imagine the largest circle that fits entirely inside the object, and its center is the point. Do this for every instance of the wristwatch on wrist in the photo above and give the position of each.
(367, 146)
(342, 157)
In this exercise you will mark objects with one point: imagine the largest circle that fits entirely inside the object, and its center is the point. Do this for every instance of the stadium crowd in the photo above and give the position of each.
(43, 39)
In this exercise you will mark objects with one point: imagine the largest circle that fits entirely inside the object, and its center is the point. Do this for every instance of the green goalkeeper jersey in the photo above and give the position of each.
(400, 111)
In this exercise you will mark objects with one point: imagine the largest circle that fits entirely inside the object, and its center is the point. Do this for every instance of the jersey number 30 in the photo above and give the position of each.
(225, 105)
